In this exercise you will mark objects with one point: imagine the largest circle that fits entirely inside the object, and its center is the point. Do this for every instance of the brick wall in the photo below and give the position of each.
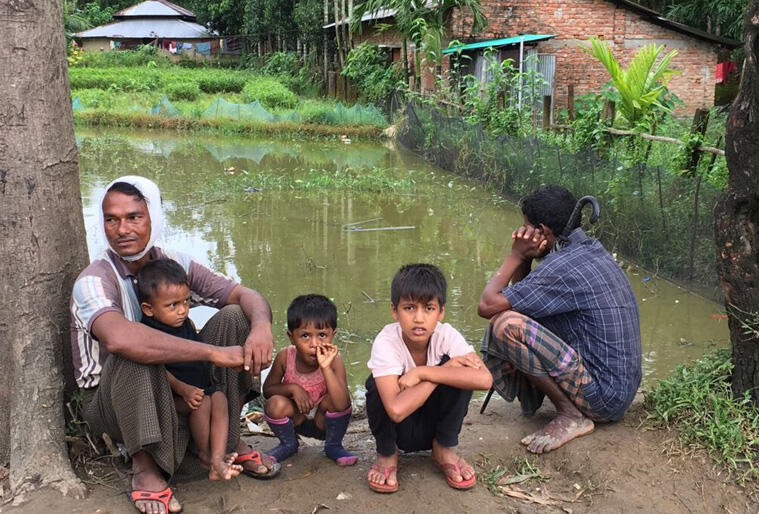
(573, 21)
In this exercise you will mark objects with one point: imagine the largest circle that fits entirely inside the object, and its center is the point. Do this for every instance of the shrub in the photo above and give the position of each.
(142, 56)
(182, 91)
(221, 82)
(368, 66)
(270, 92)
(282, 63)
(118, 79)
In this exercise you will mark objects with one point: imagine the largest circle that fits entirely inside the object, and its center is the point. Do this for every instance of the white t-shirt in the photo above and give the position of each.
(390, 355)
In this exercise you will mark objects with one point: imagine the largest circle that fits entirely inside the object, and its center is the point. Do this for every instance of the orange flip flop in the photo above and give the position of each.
(383, 488)
(163, 497)
(464, 484)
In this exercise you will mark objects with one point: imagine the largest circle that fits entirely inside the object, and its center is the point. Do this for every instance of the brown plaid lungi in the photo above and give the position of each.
(516, 347)
(133, 402)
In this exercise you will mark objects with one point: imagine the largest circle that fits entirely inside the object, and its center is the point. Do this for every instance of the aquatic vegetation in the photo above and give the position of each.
(369, 180)
(698, 402)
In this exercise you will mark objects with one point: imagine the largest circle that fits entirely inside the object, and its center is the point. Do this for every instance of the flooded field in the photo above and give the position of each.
(292, 217)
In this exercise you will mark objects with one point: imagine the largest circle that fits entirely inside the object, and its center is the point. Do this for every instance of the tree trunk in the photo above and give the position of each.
(737, 218)
(325, 41)
(337, 34)
(43, 244)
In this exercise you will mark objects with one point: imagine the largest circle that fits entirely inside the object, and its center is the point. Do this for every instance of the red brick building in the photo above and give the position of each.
(625, 25)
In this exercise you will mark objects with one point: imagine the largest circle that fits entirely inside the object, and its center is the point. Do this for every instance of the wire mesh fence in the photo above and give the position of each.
(651, 216)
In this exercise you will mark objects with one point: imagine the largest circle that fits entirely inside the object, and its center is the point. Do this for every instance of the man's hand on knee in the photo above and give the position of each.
(258, 349)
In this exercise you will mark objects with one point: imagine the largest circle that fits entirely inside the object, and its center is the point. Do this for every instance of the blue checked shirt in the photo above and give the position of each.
(581, 295)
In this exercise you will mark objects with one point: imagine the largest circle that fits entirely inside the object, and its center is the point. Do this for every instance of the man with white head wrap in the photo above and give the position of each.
(118, 362)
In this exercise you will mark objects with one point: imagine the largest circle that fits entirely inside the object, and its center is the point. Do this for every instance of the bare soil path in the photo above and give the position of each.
(619, 468)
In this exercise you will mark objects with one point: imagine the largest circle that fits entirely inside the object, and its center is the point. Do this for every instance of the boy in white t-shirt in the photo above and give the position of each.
(423, 374)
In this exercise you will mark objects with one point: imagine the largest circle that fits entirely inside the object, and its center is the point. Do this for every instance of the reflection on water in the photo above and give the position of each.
(286, 243)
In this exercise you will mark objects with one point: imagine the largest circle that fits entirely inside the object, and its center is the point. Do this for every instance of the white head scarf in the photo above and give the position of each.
(152, 195)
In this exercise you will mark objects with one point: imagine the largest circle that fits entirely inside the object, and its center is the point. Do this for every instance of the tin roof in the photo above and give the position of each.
(493, 43)
(155, 8)
(379, 14)
(145, 28)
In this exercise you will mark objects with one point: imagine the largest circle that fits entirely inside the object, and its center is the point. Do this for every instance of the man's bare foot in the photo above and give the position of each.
(382, 476)
(454, 467)
(150, 480)
(559, 431)
(224, 469)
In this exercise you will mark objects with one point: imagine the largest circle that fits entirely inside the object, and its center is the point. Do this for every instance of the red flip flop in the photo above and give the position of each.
(159, 496)
(383, 488)
(464, 484)
(255, 456)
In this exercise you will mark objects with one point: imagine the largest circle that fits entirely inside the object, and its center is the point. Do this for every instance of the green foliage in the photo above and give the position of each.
(142, 56)
(117, 78)
(182, 91)
(497, 104)
(368, 66)
(221, 81)
(721, 17)
(698, 401)
(281, 63)
(270, 92)
(642, 84)
(98, 15)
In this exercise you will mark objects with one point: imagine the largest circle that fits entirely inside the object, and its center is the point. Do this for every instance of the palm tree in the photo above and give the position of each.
(641, 85)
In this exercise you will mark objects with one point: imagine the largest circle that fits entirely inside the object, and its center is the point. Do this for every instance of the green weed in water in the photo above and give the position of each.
(698, 401)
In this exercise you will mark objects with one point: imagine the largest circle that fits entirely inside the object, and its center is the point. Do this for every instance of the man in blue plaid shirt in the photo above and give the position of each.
(568, 329)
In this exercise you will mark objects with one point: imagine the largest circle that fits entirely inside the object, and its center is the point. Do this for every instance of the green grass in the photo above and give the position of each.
(115, 95)
(225, 126)
(698, 402)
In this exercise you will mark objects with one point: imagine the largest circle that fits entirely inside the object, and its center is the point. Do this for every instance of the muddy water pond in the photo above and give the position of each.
(288, 217)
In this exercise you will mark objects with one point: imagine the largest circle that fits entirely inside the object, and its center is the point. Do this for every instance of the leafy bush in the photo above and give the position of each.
(221, 82)
(94, 98)
(182, 91)
(368, 66)
(270, 92)
(142, 56)
(119, 79)
(317, 112)
(282, 63)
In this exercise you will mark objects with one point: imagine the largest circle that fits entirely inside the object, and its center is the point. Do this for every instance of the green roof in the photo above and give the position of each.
(492, 43)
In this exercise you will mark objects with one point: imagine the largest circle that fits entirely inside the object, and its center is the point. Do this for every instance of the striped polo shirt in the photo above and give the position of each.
(107, 285)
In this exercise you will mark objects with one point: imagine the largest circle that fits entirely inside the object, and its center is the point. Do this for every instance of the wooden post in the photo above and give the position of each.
(340, 90)
(700, 121)
(546, 112)
(608, 113)
(571, 102)
(331, 84)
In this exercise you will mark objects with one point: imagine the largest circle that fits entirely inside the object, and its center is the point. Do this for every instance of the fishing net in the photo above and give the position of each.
(165, 108)
(76, 104)
(658, 219)
(221, 108)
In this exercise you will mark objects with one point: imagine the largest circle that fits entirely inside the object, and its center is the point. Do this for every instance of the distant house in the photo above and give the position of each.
(553, 32)
(157, 22)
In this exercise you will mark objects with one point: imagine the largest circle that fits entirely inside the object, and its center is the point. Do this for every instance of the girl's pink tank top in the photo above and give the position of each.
(313, 383)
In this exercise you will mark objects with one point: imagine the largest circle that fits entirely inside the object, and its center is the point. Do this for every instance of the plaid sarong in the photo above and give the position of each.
(134, 405)
(516, 347)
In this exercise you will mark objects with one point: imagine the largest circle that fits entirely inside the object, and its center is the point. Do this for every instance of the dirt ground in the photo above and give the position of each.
(621, 468)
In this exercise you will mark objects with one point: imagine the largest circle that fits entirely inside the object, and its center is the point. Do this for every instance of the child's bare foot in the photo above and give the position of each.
(382, 476)
(458, 473)
(559, 431)
(224, 469)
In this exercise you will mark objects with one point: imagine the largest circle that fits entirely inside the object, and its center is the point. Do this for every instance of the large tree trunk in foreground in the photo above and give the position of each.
(42, 243)
(737, 218)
